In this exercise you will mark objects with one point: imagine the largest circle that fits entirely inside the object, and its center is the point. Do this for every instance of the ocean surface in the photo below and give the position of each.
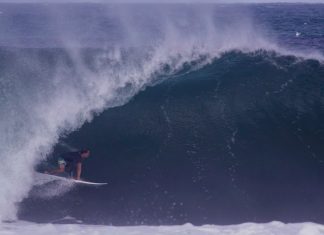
(194, 114)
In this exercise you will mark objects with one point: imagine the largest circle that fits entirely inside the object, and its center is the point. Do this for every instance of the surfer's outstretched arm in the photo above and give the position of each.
(78, 171)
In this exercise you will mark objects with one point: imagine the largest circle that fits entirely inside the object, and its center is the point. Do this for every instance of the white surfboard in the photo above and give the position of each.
(50, 177)
(87, 182)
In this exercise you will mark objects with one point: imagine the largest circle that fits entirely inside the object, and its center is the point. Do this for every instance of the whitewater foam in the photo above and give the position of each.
(274, 228)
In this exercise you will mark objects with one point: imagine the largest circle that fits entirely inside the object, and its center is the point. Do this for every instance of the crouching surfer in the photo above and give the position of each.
(71, 163)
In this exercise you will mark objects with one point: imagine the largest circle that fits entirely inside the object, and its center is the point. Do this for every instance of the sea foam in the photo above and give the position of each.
(273, 228)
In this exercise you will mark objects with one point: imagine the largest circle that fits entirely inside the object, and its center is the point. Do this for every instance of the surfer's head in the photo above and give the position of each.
(85, 153)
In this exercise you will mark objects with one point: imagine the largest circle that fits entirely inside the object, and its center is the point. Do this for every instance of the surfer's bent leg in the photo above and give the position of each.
(61, 167)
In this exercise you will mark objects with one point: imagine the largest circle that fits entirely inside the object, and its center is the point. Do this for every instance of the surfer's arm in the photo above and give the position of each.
(78, 171)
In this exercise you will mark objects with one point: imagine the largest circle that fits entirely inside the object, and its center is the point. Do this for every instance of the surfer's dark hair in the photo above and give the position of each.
(85, 151)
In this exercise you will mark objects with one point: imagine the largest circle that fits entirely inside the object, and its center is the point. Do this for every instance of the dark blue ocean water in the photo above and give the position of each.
(234, 140)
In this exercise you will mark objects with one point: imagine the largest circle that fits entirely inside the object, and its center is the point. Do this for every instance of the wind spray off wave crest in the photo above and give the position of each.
(102, 57)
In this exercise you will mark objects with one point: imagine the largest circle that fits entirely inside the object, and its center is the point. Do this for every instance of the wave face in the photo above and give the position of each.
(223, 103)
(238, 140)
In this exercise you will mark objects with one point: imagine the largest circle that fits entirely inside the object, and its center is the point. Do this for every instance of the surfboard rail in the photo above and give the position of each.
(84, 182)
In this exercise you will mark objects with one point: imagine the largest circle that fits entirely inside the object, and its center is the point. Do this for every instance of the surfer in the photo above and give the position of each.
(71, 163)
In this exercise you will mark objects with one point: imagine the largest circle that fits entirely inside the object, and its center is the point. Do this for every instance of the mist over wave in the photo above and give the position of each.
(63, 64)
